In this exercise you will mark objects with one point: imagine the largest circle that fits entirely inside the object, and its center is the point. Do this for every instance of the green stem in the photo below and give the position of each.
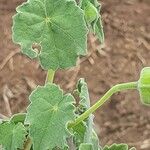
(99, 103)
(50, 76)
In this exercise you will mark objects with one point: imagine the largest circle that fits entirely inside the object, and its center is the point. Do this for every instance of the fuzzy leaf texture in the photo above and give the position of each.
(85, 146)
(48, 115)
(93, 18)
(12, 136)
(56, 26)
(118, 147)
(83, 94)
(85, 136)
(144, 86)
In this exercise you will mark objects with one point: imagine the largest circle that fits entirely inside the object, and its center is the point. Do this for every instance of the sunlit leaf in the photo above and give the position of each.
(58, 29)
(48, 115)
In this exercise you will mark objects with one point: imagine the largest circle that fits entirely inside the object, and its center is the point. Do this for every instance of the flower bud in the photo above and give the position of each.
(144, 86)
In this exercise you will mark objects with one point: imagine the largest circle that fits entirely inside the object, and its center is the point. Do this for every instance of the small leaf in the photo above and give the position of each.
(79, 133)
(58, 28)
(92, 9)
(83, 93)
(144, 85)
(91, 13)
(117, 147)
(12, 136)
(18, 118)
(48, 116)
(99, 30)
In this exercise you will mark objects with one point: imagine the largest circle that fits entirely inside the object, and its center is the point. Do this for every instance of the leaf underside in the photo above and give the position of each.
(12, 136)
(56, 26)
(48, 116)
(85, 136)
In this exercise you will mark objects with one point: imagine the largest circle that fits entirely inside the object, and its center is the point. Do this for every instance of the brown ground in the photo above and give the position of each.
(125, 53)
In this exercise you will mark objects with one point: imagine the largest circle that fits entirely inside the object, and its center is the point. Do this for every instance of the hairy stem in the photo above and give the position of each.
(99, 103)
(50, 76)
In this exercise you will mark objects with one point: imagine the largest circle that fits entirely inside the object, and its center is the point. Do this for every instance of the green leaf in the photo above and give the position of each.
(118, 147)
(99, 30)
(86, 146)
(95, 141)
(57, 26)
(84, 132)
(12, 136)
(18, 118)
(91, 13)
(91, 9)
(79, 133)
(48, 116)
(144, 85)
(84, 104)
(83, 93)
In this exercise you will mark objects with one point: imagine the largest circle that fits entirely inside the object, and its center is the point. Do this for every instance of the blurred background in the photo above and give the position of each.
(120, 59)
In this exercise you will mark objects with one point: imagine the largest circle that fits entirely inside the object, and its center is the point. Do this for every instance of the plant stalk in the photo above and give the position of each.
(50, 76)
(100, 102)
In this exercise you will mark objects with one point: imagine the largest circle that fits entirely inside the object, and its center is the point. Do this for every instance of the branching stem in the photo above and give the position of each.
(99, 103)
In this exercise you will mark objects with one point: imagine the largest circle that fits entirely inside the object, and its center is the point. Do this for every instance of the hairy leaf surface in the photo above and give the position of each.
(85, 146)
(56, 26)
(12, 136)
(84, 132)
(48, 116)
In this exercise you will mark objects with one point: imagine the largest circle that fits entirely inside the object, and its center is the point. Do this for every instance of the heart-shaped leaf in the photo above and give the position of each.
(56, 27)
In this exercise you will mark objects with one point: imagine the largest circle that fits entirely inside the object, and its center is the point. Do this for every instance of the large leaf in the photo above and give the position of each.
(57, 26)
(12, 136)
(48, 116)
(118, 147)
